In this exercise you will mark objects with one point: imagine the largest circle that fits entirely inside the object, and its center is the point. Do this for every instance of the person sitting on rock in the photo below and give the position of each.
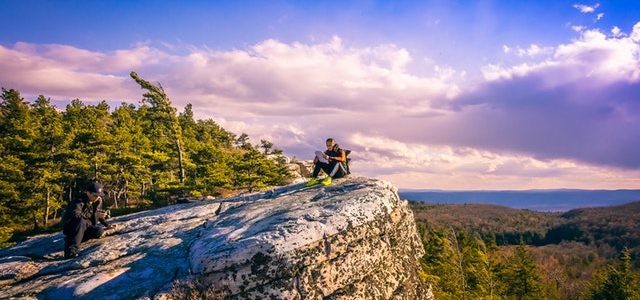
(81, 217)
(332, 162)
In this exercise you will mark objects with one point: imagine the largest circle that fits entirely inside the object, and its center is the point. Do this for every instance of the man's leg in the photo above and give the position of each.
(318, 167)
(93, 232)
(335, 170)
(338, 171)
(74, 233)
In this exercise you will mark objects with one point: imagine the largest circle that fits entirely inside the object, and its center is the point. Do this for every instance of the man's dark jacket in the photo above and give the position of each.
(80, 209)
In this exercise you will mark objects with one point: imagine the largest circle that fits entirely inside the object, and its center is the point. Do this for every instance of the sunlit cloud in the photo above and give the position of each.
(432, 166)
(583, 8)
(616, 32)
(565, 117)
(578, 28)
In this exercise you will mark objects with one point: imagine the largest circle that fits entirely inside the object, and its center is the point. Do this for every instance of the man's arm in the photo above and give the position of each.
(79, 211)
(101, 215)
(341, 158)
(101, 218)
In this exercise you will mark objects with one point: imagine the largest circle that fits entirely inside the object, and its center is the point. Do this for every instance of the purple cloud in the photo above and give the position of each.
(568, 120)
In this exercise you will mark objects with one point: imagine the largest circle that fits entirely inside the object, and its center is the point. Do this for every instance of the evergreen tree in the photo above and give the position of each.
(441, 265)
(163, 115)
(266, 146)
(618, 282)
(476, 266)
(46, 156)
(242, 142)
(16, 135)
(253, 171)
(49, 143)
(522, 276)
(129, 169)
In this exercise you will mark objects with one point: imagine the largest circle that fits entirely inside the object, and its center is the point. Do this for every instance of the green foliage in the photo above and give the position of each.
(522, 276)
(458, 265)
(5, 235)
(253, 173)
(467, 256)
(616, 282)
(145, 155)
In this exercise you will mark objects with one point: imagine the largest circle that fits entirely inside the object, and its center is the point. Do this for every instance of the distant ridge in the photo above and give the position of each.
(518, 191)
(537, 199)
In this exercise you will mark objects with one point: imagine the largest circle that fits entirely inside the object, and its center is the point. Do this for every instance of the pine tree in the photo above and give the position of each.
(128, 166)
(165, 114)
(441, 265)
(46, 165)
(46, 156)
(522, 276)
(16, 136)
(242, 142)
(266, 146)
(617, 282)
(477, 267)
(12, 110)
(77, 165)
(253, 171)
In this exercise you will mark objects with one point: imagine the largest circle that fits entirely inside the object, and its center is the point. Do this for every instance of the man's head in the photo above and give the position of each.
(94, 191)
(330, 143)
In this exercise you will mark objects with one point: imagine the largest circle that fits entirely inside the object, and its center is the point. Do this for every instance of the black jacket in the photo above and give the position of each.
(336, 153)
(80, 208)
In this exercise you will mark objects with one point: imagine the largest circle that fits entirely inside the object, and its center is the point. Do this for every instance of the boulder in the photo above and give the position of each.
(354, 239)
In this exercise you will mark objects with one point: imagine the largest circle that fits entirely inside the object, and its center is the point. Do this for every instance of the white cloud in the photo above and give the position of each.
(402, 126)
(592, 55)
(534, 50)
(271, 77)
(578, 28)
(600, 16)
(583, 8)
(616, 32)
(635, 33)
(416, 165)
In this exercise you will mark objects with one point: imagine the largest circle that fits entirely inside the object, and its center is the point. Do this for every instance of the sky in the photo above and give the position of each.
(453, 95)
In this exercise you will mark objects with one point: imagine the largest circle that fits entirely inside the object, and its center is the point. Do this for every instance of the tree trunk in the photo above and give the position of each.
(35, 221)
(115, 199)
(47, 208)
(126, 188)
(180, 164)
(459, 262)
(95, 170)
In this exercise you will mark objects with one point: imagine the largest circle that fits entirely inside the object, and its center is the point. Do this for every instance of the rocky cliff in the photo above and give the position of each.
(352, 240)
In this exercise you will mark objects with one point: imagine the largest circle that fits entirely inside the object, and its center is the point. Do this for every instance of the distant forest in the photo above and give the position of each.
(480, 251)
(146, 155)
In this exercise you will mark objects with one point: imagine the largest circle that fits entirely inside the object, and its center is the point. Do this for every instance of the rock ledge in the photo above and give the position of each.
(352, 240)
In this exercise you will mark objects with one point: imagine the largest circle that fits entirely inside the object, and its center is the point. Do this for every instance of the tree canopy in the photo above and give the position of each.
(145, 155)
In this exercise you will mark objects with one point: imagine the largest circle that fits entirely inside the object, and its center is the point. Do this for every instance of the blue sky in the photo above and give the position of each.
(442, 30)
(430, 94)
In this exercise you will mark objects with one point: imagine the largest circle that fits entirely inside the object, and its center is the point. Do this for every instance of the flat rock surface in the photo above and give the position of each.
(352, 240)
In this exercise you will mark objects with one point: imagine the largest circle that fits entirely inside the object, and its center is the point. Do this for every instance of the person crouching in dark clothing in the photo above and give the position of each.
(81, 217)
(332, 162)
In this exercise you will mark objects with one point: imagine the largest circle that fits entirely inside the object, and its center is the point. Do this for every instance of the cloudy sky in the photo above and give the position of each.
(461, 95)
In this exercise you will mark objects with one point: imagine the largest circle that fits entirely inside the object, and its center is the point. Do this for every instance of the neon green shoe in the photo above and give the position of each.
(326, 181)
(312, 182)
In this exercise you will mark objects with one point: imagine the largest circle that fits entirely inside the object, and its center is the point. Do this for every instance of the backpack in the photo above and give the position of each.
(346, 163)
